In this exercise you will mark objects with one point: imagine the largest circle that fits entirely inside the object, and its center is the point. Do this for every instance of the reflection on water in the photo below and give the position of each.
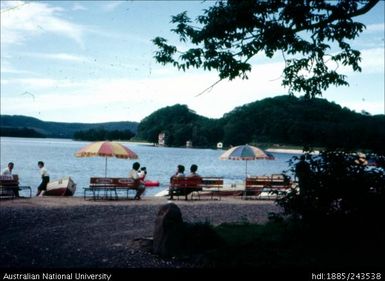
(161, 162)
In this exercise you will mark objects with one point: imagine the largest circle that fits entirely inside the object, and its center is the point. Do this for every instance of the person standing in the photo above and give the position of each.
(303, 174)
(133, 174)
(44, 179)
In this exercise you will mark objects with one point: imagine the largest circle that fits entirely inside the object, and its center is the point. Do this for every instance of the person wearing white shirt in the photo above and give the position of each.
(133, 174)
(193, 171)
(44, 179)
(8, 171)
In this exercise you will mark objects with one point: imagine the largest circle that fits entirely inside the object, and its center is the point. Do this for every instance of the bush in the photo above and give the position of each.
(337, 186)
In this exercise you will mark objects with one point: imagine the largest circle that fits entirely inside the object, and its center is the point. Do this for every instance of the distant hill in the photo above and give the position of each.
(180, 124)
(284, 120)
(17, 124)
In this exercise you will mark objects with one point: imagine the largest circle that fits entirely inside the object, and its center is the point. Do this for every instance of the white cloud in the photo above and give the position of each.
(23, 20)
(373, 60)
(111, 5)
(378, 27)
(78, 7)
(6, 67)
(41, 84)
(124, 99)
(38, 83)
(365, 105)
(58, 56)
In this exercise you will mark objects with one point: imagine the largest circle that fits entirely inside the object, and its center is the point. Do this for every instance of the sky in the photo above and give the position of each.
(92, 61)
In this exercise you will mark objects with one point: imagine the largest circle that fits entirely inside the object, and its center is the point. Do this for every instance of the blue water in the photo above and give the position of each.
(161, 162)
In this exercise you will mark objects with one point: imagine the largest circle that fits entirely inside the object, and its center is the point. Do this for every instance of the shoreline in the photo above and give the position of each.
(289, 151)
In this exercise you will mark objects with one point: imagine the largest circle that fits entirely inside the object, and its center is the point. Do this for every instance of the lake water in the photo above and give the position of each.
(161, 162)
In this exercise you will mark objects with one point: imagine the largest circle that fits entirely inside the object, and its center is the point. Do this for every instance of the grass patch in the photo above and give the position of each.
(280, 244)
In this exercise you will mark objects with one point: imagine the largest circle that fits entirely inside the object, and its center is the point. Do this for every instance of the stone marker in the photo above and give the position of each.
(168, 232)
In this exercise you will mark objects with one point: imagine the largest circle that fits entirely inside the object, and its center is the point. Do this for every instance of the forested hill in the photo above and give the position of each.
(23, 126)
(285, 120)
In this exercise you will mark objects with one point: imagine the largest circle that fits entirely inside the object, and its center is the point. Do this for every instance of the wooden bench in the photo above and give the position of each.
(184, 186)
(255, 185)
(276, 185)
(9, 187)
(110, 187)
(212, 185)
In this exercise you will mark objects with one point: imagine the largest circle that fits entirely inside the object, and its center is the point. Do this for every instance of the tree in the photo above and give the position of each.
(307, 33)
(337, 186)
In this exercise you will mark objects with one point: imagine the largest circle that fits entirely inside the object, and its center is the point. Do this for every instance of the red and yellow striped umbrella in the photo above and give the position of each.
(106, 149)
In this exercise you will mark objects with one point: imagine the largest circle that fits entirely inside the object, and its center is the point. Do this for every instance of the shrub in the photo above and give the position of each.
(337, 186)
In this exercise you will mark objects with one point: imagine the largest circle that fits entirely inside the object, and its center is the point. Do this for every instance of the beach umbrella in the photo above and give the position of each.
(106, 149)
(246, 153)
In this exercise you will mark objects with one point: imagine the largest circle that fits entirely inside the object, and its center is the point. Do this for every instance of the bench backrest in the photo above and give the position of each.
(212, 182)
(257, 182)
(276, 181)
(114, 182)
(185, 182)
(9, 181)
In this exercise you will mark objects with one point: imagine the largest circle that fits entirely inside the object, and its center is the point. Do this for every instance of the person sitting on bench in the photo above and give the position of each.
(8, 172)
(193, 171)
(135, 176)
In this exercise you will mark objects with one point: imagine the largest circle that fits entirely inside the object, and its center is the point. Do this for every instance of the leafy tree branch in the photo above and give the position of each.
(232, 32)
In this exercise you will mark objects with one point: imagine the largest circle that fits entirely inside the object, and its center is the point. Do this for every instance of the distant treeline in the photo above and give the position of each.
(285, 120)
(103, 134)
(20, 132)
(60, 129)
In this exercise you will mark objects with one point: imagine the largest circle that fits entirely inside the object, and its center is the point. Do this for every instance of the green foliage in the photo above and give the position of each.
(61, 129)
(281, 120)
(336, 186)
(334, 221)
(286, 245)
(299, 121)
(307, 33)
(180, 124)
(20, 132)
(103, 134)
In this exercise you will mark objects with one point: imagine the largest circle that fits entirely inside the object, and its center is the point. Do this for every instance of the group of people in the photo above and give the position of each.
(43, 173)
(136, 173)
(180, 173)
(193, 171)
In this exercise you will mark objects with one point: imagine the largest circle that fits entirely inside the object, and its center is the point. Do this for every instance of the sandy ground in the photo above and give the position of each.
(49, 232)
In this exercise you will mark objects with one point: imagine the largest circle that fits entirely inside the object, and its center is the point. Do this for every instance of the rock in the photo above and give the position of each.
(168, 231)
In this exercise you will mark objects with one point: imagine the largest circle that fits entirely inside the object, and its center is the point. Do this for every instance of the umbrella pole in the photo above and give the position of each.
(105, 168)
(246, 168)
